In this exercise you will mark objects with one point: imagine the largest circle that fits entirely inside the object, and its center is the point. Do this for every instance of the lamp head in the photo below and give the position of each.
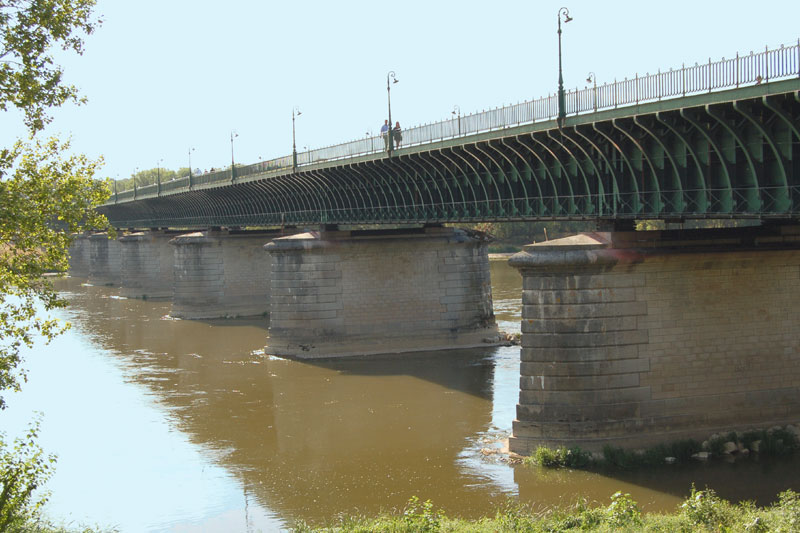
(567, 18)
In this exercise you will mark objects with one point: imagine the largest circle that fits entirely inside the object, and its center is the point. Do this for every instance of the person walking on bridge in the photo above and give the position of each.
(396, 135)
(385, 134)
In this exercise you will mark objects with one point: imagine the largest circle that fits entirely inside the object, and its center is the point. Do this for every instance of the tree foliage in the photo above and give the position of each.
(150, 177)
(24, 468)
(29, 78)
(45, 197)
(45, 194)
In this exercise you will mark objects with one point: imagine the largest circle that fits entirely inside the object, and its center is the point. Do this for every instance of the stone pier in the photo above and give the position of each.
(221, 274)
(147, 262)
(344, 293)
(80, 256)
(105, 267)
(637, 338)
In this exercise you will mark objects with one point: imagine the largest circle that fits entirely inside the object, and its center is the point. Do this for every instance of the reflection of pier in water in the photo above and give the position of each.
(305, 438)
(313, 440)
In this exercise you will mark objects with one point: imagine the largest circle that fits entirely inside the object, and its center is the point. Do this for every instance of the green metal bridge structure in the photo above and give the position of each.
(713, 140)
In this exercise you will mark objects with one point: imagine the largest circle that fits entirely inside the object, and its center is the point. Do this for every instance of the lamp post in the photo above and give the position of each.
(158, 177)
(562, 112)
(295, 113)
(135, 171)
(592, 78)
(457, 110)
(233, 167)
(190, 168)
(389, 99)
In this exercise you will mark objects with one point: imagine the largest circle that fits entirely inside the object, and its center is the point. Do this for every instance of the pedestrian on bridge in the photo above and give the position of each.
(385, 134)
(396, 135)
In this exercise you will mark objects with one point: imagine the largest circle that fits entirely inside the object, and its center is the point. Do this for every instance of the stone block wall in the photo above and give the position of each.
(632, 339)
(343, 293)
(105, 267)
(147, 262)
(221, 274)
(80, 256)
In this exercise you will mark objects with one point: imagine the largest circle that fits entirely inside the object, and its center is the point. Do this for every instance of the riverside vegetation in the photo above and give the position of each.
(702, 510)
(775, 441)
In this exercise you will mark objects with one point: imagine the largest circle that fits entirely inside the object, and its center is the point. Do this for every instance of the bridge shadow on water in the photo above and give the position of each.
(468, 371)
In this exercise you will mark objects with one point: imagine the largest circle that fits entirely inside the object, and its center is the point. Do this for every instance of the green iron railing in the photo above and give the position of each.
(751, 69)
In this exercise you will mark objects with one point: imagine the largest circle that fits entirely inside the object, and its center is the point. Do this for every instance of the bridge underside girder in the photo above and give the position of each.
(737, 159)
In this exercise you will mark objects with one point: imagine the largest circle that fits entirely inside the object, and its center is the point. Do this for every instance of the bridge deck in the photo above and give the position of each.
(729, 153)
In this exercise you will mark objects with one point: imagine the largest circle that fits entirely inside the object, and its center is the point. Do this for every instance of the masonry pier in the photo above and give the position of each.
(344, 293)
(105, 267)
(637, 338)
(221, 273)
(80, 256)
(147, 262)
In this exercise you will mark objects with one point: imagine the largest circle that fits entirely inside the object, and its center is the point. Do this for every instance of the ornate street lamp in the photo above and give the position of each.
(562, 111)
(457, 110)
(135, 171)
(190, 168)
(389, 97)
(295, 112)
(592, 78)
(233, 167)
(158, 176)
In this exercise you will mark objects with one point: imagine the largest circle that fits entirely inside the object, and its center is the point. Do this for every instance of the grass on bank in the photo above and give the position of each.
(702, 511)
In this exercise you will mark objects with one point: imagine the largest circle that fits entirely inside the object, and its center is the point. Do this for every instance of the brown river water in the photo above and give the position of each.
(173, 425)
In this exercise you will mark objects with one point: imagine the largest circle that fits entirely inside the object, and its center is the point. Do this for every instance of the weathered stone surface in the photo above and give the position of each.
(379, 292)
(222, 274)
(80, 256)
(147, 262)
(105, 267)
(630, 339)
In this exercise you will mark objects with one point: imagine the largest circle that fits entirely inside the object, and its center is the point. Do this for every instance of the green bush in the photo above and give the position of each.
(682, 449)
(24, 467)
(560, 457)
(778, 442)
(786, 512)
(623, 511)
(705, 508)
(622, 458)
(421, 517)
(716, 445)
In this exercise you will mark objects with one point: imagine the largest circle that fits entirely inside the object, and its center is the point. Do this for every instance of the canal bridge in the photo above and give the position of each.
(718, 139)
(628, 337)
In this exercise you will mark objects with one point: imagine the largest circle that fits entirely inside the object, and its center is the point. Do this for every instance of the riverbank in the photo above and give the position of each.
(702, 510)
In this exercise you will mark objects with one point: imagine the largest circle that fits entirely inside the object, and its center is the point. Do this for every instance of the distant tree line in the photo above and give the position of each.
(149, 177)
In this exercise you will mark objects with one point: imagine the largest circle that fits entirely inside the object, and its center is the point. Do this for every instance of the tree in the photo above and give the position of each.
(44, 200)
(29, 78)
(45, 195)
(24, 468)
(150, 177)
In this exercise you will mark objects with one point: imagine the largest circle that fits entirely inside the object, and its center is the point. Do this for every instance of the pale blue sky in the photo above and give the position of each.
(162, 76)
